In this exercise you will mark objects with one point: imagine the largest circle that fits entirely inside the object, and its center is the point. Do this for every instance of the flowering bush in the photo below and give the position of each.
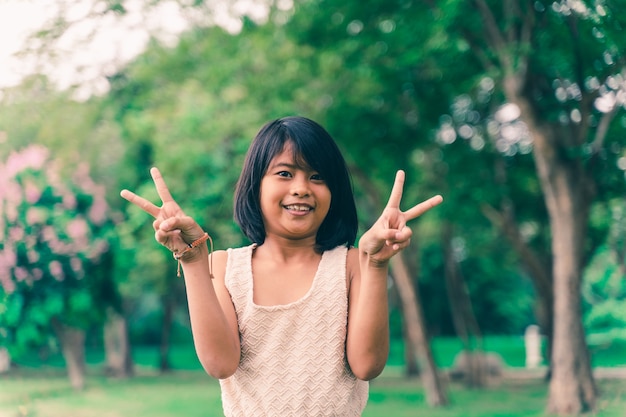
(53, 237)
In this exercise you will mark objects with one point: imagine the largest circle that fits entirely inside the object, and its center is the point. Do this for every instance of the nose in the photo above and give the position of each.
(300, 186)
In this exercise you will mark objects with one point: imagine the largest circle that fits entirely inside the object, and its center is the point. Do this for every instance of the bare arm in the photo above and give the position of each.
(367, 344)
(213, 318)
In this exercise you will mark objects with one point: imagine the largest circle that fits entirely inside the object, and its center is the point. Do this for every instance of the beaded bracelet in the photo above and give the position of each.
(192, 245)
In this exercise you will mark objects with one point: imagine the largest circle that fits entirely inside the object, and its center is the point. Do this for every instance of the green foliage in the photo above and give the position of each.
(55, 237)
(181, 111)
(385, 79)
(604, 286)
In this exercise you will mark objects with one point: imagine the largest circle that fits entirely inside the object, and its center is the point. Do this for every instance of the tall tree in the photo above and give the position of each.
(54, 238)
(558, 65)
(35, 113)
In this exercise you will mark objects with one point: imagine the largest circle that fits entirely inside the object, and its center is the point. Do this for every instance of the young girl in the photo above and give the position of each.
(297, 322)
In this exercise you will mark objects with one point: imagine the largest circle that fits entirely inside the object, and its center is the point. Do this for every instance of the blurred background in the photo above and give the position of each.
(510, 299)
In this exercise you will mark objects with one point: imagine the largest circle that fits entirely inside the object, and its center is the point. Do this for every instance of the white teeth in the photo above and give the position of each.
(298, 207)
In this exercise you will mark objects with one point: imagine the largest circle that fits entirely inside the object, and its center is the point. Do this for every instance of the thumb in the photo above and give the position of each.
(187, 225)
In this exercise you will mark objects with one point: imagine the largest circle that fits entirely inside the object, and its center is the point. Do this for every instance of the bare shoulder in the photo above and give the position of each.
(353, 269)
(218, 260)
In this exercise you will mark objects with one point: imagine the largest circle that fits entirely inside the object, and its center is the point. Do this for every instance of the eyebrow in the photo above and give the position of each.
(283, 164)
(290, 165)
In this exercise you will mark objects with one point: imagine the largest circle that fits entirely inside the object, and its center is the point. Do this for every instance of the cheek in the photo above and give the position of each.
(264, 203)
(328, 198)
(265, 192)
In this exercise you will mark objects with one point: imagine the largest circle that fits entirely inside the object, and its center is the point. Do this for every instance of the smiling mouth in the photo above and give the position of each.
(299, 207)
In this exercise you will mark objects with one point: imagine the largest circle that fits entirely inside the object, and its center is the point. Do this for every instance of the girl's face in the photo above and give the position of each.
(294, 199)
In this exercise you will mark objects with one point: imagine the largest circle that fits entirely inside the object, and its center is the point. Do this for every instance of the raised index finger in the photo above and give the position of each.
(159, 183)
(422, 207)
(141, 202)
(396, 191)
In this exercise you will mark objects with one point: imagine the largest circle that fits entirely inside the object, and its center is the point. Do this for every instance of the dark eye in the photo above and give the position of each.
(317, 177)
(283, 174)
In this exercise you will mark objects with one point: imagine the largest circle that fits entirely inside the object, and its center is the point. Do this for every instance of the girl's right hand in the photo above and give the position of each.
(173, 228)
(390, 234)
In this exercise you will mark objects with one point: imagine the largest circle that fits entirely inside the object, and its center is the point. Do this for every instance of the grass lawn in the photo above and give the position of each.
(45, 392)
(41, 388)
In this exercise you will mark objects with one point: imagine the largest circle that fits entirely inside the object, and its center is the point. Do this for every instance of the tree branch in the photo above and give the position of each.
(603, 128)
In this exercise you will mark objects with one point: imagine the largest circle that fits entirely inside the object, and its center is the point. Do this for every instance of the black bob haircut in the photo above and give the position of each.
(313, 146)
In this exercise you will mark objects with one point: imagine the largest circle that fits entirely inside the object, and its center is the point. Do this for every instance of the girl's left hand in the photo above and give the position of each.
(390, 234)
(173, 228)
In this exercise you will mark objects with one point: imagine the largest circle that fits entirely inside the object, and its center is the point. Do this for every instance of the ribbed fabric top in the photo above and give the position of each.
(293, 360)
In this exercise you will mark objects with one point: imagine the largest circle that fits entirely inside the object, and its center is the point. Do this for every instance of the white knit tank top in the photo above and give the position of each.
(293, 361)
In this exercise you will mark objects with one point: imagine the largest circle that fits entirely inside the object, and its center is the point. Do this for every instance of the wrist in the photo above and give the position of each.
(193, 255)
(372, 262)
(194, 252)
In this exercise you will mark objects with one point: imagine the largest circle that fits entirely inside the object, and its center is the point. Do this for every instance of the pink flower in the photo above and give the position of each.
(4, 182)
(56, 269)
(13, 194)
(8, 258)
(98, 249)
(16, 234)
(24, 177)
(33, 156)
(98, 210)
(77, 267)
(37, 274)
(7, 284)
(76, 264)
(82, 178)
(33, 256)
(69, 201)
(31, 192)
(48, 234)
(21, 274)
(77, 229)
(35, 215)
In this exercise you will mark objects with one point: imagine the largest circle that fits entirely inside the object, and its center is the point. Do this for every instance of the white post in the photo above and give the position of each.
(532, 342)
(5, 360)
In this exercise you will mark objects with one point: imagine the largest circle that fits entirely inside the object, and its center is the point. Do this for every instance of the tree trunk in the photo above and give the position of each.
(463, 316)
(411, 366)
(567, 189)
(118, 359)
(417, 333)
(73, 348)
(169, 305)
(572, 388)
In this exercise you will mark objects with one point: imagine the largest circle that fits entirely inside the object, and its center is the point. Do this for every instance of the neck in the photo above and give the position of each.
(284, 249)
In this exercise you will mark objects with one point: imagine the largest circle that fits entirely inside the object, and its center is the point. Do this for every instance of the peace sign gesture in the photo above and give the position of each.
(173, 229)
(390, 234)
